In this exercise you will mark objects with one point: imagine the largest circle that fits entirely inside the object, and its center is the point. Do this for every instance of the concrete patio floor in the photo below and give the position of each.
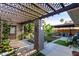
(21, 43)
(52, 49)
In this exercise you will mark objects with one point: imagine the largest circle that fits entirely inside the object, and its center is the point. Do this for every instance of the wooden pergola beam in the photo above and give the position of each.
(72, 6)
(27, 16)
(62, 5)
(20, 10)
(39, 7)
(13, 14)
(30, 9)
(50, 7)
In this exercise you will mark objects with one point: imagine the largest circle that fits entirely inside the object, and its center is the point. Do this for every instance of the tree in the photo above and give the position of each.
(47, 32)
(62, 20)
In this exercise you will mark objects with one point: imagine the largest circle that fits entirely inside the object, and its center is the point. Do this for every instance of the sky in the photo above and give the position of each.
(55, 20)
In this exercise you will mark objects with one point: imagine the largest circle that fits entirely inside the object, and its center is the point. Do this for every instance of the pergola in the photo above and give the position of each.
(20, 13)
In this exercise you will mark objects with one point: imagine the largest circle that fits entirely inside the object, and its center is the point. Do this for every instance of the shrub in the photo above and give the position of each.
(48, 32)
(5, 42)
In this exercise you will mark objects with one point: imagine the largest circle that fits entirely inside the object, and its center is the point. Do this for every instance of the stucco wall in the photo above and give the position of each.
(68, 30)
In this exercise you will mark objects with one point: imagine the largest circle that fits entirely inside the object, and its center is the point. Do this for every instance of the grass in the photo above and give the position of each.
(61, 42)
(37, 53)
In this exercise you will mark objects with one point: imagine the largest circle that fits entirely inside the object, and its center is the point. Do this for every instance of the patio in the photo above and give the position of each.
(50, 49)
(53, 49)
(13, 17)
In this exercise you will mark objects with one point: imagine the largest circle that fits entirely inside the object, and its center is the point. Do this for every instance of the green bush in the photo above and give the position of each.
(5, 42)
(61, 42)
(5, 37)
(5, 49)
(22, 36)
(5, 33)
(28, 32)
(48, 32)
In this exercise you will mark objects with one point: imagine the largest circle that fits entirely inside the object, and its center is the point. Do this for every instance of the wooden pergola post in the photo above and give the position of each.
(38, 35)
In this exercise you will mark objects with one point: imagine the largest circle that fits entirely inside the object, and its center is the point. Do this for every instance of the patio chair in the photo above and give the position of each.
(77, 35)
(74, 41)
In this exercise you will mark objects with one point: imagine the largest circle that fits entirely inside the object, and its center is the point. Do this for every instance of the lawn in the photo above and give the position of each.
(61, 42)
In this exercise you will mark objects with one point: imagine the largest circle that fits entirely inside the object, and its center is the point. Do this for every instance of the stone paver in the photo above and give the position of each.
(22, 43)
(52, 49)
(28, 44)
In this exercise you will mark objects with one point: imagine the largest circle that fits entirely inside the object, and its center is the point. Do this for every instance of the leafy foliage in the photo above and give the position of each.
(29, 27)
(4, 47)
(48, 32)
(5, 33)
(28, 32)
(61, 42)
(62, 20)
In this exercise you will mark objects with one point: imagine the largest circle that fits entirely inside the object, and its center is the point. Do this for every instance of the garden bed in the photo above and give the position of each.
(61, 42)
(6, 50)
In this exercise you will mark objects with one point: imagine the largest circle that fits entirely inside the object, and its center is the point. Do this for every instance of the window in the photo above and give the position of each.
(12, 30)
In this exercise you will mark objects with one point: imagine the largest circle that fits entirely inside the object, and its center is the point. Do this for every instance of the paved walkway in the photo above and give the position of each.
(21, 43)
(52, 49)
(28, 44)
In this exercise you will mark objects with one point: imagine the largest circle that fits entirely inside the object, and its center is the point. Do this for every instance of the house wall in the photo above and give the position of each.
(74, 14)
(18, 31)
(12, 35)
(68, 30)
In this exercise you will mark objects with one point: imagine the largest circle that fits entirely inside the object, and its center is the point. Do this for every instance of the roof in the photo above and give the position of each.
(64, 25)
(26, 12)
